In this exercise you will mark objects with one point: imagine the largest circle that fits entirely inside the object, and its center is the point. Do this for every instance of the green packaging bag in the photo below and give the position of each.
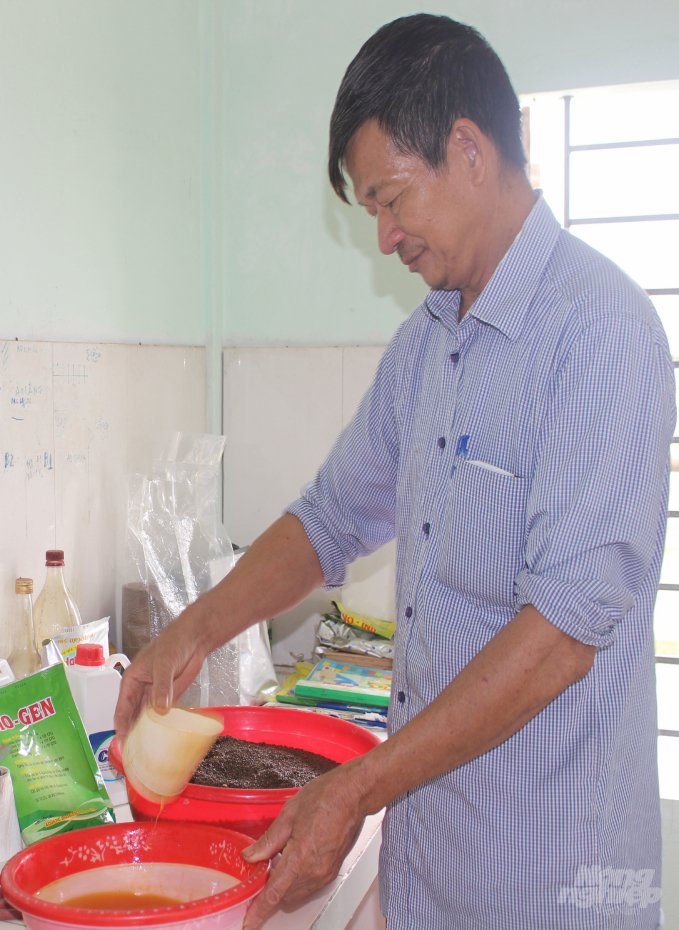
(57, 785)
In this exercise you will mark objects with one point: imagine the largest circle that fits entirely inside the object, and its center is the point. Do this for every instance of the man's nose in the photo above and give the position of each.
(388, 233)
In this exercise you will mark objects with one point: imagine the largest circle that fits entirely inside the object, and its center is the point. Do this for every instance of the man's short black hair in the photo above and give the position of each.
(415, 77)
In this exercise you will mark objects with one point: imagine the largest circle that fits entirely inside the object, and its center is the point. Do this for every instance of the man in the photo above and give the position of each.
(515, 441)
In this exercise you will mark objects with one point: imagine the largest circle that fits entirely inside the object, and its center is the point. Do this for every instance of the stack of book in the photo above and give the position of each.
(357, 692)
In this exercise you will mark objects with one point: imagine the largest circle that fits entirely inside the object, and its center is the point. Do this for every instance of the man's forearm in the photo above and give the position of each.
(515, 676)
(278, 570)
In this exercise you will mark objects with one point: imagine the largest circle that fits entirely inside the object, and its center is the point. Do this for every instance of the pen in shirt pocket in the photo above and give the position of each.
(462, 451)
(493, 468)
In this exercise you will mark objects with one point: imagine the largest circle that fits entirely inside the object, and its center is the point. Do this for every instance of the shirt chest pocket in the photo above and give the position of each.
(483, 534)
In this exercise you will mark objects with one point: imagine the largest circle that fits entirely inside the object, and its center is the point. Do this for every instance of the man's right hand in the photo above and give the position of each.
(163, 669)
(278, 570)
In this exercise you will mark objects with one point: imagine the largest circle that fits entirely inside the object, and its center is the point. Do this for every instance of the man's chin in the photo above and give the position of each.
(435, 282)
(432, 277)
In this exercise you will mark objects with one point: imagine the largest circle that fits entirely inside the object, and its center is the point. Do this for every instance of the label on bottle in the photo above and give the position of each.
(101, 743)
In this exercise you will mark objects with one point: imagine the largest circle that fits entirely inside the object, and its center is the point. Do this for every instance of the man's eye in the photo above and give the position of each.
(391, 205)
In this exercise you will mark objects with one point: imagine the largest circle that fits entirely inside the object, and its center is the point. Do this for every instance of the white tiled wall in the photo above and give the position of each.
(283, 408)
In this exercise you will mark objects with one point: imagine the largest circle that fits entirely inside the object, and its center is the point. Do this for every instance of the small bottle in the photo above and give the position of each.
(95, 685)
(24, 658)
(54, 607)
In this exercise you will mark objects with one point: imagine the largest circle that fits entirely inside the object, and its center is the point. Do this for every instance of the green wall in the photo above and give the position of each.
(162, 166)
(299, 266)
(100, 109)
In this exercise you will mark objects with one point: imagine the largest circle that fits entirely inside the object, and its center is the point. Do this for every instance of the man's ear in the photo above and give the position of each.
(467, 148)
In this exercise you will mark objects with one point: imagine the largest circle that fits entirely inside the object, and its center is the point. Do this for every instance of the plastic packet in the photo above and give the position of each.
(375, 625)
(6, 674)
(335, 634)
(62, 648)
(57, 785)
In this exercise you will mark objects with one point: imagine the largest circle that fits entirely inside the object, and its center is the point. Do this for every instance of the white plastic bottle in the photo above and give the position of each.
(54, 607)
(95, 685)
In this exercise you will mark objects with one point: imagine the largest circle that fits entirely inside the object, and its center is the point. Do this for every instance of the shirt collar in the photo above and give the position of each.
(505, 299)
(444, 306)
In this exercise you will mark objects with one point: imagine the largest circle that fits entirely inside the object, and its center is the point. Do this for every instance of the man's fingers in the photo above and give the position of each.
(282, 876)
(163, 670)
(129, 703)
(270, 842)
(162, 689)
(293, 879)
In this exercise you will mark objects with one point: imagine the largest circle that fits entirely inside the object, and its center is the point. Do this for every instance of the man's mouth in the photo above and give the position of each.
(410, 256)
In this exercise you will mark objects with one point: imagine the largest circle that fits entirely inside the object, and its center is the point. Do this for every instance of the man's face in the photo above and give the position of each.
(428, 216)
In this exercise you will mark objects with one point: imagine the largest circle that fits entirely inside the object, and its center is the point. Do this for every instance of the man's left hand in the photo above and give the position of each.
(313, 833)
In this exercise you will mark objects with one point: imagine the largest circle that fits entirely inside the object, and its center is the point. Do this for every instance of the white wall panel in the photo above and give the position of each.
(283, 409)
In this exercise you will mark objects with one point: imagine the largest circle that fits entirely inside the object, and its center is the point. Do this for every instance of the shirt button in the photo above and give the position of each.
(453, 470)
(409, 612)
(441, 442)
(425, 528)
(454, 357)
(401, 697)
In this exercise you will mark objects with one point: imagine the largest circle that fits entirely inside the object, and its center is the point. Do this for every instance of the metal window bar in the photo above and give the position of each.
(635, 218)
(639, 143)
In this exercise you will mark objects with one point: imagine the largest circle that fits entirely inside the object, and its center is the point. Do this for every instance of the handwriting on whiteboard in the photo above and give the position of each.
(34, 464)
(73, 372)
(24, 394)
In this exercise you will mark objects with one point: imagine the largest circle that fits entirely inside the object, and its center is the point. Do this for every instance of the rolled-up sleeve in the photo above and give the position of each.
(348, 510)
(595, 512)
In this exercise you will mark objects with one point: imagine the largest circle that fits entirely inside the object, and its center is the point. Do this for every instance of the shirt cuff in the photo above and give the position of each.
(329, 553)
(581, 615)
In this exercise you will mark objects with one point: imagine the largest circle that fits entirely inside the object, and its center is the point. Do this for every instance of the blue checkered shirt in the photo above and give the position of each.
(519, 456)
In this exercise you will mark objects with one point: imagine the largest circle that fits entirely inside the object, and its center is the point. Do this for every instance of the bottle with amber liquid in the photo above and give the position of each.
(24, 658)
(54, 608)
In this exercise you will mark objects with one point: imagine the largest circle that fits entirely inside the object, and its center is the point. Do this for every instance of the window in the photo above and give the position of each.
(607, 160)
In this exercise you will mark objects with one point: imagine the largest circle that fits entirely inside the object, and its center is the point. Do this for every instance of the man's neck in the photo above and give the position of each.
(514, 202)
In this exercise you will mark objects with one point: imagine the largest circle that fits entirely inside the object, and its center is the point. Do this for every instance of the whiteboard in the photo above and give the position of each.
(75, 420)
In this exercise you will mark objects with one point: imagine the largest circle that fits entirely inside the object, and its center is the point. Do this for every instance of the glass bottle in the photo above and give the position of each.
(54, 607)
(24, 658)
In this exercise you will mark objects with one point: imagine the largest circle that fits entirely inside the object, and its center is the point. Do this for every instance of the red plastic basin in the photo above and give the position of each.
(251, 811)
(94, 857)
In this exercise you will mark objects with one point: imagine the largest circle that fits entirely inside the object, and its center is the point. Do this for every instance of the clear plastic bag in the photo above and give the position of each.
(257, 676)
(174, 535)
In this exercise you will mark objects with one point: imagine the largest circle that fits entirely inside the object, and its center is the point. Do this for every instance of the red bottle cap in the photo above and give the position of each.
(90, 654)
(54, 557)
